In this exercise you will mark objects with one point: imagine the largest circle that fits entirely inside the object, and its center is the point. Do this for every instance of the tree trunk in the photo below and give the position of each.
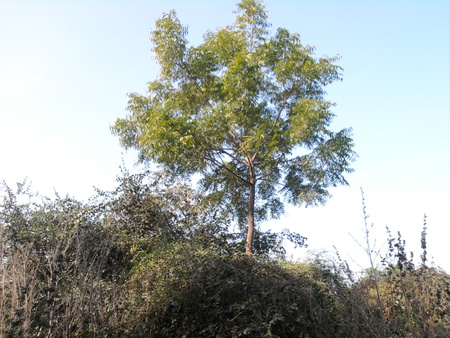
(251, 217)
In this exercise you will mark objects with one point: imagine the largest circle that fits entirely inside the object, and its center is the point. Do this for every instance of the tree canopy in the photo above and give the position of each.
(247, 111)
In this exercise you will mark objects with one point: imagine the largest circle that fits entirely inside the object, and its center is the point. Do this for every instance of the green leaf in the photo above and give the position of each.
(236, 110)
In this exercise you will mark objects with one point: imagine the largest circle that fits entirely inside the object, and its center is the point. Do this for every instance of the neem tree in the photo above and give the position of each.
(246, 111)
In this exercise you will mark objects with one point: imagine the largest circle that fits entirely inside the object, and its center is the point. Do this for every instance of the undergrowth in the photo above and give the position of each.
(130, 264)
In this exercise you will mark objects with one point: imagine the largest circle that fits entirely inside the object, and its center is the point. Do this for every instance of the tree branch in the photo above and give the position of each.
(283, 105)
(221, 164)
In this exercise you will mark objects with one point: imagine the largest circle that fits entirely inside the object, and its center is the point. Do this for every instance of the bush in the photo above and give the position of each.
(58, 267)
(398, 299)
(184, 291)
(129, 263)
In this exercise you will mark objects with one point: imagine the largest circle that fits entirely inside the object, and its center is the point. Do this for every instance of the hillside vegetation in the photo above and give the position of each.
(149, 259)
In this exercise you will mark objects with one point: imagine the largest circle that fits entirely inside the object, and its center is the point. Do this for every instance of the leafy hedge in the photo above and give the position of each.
(184, 291)
(150, 260)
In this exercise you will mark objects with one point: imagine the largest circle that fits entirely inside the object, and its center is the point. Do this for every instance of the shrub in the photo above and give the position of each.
(185, 291)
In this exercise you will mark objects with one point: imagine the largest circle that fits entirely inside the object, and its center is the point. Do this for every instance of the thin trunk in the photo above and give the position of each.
(251, 217)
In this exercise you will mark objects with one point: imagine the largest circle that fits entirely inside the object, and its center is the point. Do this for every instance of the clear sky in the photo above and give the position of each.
(66, 68)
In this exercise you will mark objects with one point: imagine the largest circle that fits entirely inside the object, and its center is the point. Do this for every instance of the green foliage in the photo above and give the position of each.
(150, 208)
(138, 262)
(65, 265)
(239, 109)
(185, 291)
(56, 260)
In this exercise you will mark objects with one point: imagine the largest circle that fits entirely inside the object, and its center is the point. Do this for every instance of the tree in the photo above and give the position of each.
(244, 109)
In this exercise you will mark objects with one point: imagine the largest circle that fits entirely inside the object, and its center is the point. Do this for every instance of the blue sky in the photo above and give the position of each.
(66, 68)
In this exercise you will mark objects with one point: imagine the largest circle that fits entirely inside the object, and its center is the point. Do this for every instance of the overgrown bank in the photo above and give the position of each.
(150, 260)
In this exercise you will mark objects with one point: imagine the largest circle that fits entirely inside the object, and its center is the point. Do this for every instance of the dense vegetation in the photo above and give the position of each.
(148, 260)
